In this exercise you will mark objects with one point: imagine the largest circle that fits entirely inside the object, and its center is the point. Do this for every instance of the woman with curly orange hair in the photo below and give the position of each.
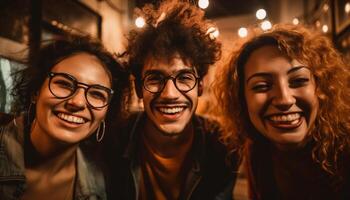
(285, 105)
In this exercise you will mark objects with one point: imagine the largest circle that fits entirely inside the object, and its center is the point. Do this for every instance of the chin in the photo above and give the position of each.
(291, 143)
(171, 130)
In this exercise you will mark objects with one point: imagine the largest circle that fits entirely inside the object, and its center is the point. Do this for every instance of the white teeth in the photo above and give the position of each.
(286, 118)
(71, 118)
(171, 110)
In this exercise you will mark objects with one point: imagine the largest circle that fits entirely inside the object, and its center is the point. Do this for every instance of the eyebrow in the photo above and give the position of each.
(296, 68)
(264, 74)
(155, 71)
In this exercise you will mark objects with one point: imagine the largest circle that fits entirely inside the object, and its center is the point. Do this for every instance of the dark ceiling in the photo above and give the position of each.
(222, 8)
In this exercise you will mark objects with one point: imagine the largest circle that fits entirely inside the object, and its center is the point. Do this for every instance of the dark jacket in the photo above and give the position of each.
(209, 177)
(314, 182)
(89, 185)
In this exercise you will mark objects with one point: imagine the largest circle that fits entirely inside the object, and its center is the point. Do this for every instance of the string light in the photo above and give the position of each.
(325, 7)
(213, 32)
(295, 21)
(242, 32)
(140, 22)
(347, 8)
(266, 25)
(203, 4)
(325, 28)
(260, 14)
(318, 23)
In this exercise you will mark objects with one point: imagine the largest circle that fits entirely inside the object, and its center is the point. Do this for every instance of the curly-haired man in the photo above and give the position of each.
(170, 152)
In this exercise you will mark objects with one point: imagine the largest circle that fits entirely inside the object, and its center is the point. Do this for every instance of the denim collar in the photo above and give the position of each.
(11, 151)
(90, 180)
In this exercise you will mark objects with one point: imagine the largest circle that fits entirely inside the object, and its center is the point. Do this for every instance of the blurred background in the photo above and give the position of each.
(25, 23)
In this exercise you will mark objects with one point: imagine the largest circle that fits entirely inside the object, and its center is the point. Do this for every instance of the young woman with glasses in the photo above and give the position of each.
(72, 89)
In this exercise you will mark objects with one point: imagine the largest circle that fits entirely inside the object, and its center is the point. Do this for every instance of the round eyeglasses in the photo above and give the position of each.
(63, 85)
(183, 81)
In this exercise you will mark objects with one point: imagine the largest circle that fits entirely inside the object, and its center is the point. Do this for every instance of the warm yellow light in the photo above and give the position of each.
(260, 14)
(266, 25)
(213, 32)
(140, 22)
(347, 8)
(203, 4)
(242, 32)
(295, 21)
(325, 7)
(318, 23)
(325, 28)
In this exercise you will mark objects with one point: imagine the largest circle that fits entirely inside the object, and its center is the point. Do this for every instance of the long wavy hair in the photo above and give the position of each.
(330, 133)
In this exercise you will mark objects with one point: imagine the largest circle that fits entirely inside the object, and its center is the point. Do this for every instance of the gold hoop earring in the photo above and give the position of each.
(99, 135)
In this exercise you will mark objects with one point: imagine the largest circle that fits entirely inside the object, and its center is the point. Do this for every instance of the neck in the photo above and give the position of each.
(165, 145)
(52, 163)
(46, 152)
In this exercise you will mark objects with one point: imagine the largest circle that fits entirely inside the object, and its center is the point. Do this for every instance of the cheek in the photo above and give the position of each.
(147, 99)
(44, 100)
(193, 97)
(307, 100)
(314, 107)
(255, 102)
(100, 115)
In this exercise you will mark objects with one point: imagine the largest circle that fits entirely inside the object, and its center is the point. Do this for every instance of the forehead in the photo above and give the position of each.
(269, 59)
(85, 68)
(166, 66)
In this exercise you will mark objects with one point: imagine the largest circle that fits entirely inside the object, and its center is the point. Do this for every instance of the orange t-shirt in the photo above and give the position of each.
(163, 177)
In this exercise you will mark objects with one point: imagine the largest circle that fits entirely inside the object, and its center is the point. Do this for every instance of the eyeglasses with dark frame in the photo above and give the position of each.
(184, 81)
(63, 85)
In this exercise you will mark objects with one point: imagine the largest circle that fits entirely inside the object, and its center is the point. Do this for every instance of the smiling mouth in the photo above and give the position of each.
(286, 121)
(170, 110)
(71, 118)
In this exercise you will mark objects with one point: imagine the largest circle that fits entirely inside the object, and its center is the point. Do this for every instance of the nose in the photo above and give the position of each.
(283, 97)
(77, 101)
(170, 91)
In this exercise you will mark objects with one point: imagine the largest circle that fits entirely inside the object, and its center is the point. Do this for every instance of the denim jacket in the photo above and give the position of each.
(89, 185)
(209, 177)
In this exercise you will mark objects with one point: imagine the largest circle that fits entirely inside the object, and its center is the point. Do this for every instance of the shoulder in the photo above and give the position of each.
(207, 125)
(215, 147)
(129, 127)
(210, 132)
(90, 176)
(12, 130)
(5, 118)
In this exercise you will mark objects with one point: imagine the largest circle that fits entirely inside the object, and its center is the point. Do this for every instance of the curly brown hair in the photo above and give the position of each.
(332, 124)
(172, 27)
(29, 80)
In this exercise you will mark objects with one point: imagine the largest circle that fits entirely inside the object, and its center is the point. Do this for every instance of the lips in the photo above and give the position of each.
(285, 121)
(171, 110)
(71, 118)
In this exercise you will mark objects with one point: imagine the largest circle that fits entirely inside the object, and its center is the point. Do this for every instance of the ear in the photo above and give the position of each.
(200, 87)
(138, 88)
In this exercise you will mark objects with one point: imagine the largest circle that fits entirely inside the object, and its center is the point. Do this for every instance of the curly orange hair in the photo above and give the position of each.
(331, 130)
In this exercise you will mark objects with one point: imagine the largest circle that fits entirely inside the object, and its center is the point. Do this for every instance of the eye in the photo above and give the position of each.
(185, 77)
(261, 87)
(298, 82)
(153, 78)
(98, 94)
(64, 83)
